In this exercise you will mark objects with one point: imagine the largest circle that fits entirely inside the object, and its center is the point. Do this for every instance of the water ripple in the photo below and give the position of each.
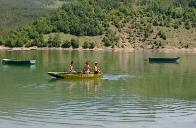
(92, 112)
(120, 77)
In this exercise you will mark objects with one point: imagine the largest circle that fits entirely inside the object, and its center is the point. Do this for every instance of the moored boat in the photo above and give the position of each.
(66, 75)
(163, 59)
(18, 62)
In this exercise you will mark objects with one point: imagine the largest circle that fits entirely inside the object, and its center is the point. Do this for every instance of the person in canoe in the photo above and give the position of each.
(96, 68)
(71, 67)
(86, 68)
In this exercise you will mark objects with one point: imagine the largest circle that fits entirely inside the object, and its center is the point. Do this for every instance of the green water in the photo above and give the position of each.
(133, 92)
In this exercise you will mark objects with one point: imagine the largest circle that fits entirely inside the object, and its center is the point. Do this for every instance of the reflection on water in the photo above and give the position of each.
(10, 67)
(133, 92)
(91, 85)
(176, 62)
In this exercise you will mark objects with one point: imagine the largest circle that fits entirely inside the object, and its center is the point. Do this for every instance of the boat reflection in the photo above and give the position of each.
(89, 85)
(167, 62)
(19, 66)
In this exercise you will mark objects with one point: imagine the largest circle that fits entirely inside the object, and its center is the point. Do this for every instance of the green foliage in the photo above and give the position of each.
(57, 41)
(110, 39)
(184, 45)
(18, 43)
(66, 44)
(170, 12)
(75, 43)
(157, 44)
(147, 30)
(146, 34)
(88, 44)
(79, 18)
(155, 23)
(50, 41)
(92, 45)
(107, 42)
(162, 35)
(1, 40)
(187, 25)
(175, 26)
(40, 41)
(185, 3)
(54, 41)
(16, 13)
(192, 4)
(43, 26)
(97, 17)
(9, 43)
(14, 39)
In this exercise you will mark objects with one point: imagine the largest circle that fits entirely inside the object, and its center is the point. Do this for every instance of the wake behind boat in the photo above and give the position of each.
(18, 62)
(67, 75)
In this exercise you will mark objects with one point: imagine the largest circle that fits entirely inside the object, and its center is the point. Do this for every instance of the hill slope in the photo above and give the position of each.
(15, 13)
(120, 23)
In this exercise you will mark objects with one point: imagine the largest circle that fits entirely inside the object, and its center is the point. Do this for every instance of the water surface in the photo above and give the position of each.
(133, 92)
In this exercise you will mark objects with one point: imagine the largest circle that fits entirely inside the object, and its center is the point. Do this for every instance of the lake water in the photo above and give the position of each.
(132, 94)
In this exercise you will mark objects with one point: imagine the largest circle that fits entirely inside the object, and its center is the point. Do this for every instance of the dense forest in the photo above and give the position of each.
(119, 23)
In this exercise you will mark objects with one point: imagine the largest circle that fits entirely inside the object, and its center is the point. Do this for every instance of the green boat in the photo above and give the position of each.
(18, 62)
(163, 59)
(67, 75)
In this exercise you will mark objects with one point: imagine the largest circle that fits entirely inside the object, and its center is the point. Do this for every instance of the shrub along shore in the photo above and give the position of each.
(114, 49)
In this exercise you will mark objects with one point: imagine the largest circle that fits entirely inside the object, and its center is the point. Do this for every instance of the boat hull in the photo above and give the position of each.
(64, 75)
(18, 62)
(162, 60)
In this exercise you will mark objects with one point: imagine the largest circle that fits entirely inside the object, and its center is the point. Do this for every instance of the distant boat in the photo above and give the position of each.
(18, 62)
(163, 59)
(67, 75)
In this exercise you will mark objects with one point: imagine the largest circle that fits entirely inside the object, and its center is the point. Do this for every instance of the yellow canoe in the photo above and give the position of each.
(66, 75)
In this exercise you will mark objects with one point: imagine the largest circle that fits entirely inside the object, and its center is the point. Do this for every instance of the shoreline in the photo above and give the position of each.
(165, 50)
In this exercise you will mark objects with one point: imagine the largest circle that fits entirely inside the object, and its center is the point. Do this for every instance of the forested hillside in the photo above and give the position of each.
(14, 13)
(119, 23)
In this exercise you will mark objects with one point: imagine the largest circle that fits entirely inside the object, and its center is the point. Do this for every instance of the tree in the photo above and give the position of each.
(192, 4)
(56, 41)
(41, 42)
(97, 17)
(19, 42)
(107, 42)
(162, 35)
(86, 45)
(110, 39)
(50, 41)
(43, 26)
(9, 42)
(74, 43)
(1, 40)
(187, 25)
(66, 44)
(92, 45)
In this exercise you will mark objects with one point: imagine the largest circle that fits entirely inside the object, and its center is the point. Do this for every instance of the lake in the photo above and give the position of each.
(133, 93)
